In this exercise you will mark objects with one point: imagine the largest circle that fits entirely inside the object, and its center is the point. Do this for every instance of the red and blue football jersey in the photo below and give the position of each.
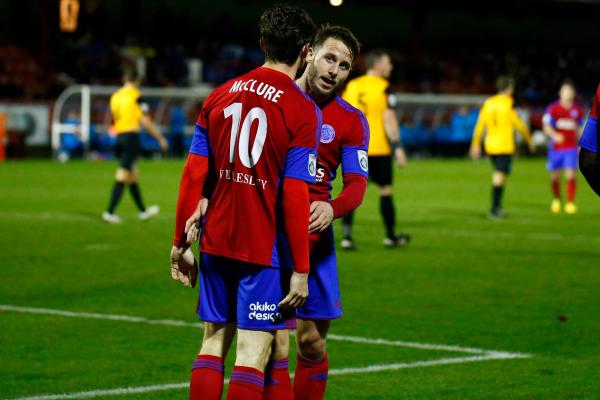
(344, 139)
(566, 121)
(589, 136)
(257, 129)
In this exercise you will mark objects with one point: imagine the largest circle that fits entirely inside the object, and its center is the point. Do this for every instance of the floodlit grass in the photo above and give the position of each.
(464, 280)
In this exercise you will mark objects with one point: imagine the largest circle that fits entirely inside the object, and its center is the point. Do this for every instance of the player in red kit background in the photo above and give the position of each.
(563, 121)
(253, 155)
(589, 162)
(344, 140)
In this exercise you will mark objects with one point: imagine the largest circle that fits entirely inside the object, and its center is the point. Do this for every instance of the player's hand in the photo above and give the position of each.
(298, 292)
(184, 267)
(475, 152)
(321, 216)
(164, 145)
(558, 138)
(192, 225)
(400, 157)
(531, 147)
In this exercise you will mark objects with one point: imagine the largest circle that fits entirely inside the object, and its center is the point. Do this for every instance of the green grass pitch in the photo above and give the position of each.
(464, 280)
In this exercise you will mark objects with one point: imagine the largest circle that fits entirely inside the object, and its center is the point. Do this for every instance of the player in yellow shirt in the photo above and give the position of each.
(129, 117)
(370, 93)
(499, 119)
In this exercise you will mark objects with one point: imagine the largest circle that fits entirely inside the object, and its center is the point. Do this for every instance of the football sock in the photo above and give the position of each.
(246, 384)
(115, 197)
(310, 380)
(347, 225)
(134, 189)
(497, 197)
(278, 385)
(386, 207)
(571, 187)
(206, 381)
(555, 188)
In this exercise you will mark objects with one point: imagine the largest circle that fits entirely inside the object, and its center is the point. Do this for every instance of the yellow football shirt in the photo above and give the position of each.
(368, 94)
(126, 110)
(499, 120)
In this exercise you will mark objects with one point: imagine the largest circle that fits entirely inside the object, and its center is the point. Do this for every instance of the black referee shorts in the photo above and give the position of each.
(380, 170)
(128, 149)
(502, 162)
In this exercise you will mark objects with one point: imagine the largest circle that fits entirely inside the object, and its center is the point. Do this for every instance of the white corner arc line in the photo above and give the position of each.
(341, 371)
(177, 323)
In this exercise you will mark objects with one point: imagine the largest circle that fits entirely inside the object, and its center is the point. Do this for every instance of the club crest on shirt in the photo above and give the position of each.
(312, 164)
(363, 160)
(574, 113)
(327, 133)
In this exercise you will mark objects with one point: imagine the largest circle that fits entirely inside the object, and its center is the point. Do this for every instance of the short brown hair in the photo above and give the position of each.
(285, 30)
(503, 82)
(374, 56)
(130, 74)
(340, 33)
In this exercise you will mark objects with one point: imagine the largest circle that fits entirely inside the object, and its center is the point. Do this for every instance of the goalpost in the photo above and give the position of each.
(84, 110)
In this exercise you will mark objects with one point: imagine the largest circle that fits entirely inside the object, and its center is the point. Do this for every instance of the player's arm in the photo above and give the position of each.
(548, 127)
(300, 169)
(193, 179)
(478, 133)
(147, 124)
(522, 129)
(391, 127)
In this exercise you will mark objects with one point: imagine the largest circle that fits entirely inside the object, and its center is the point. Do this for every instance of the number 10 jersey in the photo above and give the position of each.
(256, 129)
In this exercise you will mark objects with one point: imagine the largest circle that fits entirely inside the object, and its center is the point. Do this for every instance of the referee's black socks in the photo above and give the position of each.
(386, 206)
(115, 197)
(497, 192)
(134, 189)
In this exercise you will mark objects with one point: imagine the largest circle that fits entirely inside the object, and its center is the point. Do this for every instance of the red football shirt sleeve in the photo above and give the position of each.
(351, 196)
(295, 215)
(301, 159)
(595, 111)
(193, 178)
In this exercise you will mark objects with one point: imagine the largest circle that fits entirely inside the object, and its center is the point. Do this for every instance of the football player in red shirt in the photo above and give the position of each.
(344, 140)
(563, 121)
(253, 154)
(589, 162)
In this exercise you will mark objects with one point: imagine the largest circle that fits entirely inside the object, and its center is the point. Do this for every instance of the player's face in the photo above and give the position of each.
(567, 93)
(329, 67)
(385, 66)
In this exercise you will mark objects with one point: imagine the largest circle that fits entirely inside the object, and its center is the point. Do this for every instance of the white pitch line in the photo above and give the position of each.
(169, 322)
(337, 372)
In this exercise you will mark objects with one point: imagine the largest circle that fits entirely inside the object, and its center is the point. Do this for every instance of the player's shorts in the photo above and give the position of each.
(233, 291)
(502, 162)
(323, 302)
(562, 159)
(128, 149)
(380, 170)
(589, 136)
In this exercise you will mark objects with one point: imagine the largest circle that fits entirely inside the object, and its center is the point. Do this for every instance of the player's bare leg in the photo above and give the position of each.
(570, 176)
(253, 352)
(206, 381)
(310, 380)
(556, 204)
(278, 385)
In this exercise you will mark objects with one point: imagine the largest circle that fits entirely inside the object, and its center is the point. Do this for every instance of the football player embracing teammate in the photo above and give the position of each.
(344, 140)
(253, 154)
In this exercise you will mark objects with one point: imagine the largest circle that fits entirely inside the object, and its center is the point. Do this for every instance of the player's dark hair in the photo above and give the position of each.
(374, 56)
(285, 30)
(503, 82)
(130, 74)
(568, 82)
(339, 33)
